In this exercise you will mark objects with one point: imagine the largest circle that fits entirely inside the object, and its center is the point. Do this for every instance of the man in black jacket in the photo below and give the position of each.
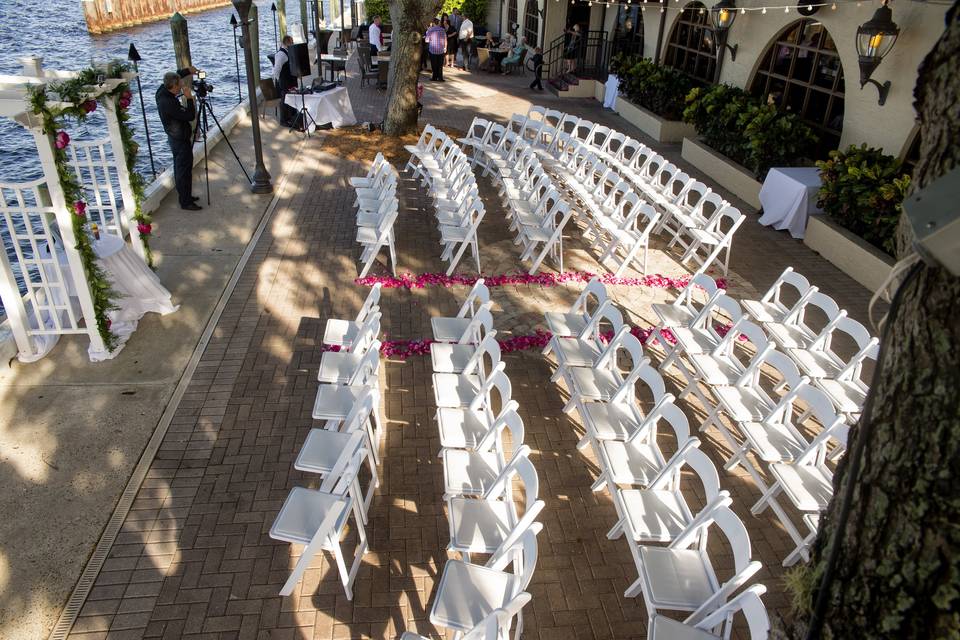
(177, 119)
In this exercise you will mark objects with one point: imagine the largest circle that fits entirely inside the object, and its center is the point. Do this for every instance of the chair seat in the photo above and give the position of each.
(448, 329)
(788, 336)
(337, 367)
(450, 358)
(334, 401)
(468, 593)
(469, 473)
(772, 442)
(691, 341)
(846, 395)
(565, 324)
(809, 488)
(451, 233)
(744, 404)
(664, 628)
(462, 428)
(611, 420)
(304, 511)
(671, 315)
(368, 235)
(537, 234)
(455, 389)
(479, 526)
(573, 352)
(715, 370)
(321, 450)
(676, 578)
(340, 332)
(815, 363)
(595, 384)
(764, 311)
(655, 516)
(631, 463)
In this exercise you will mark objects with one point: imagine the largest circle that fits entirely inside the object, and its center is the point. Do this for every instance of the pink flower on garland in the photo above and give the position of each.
(62, 140)
(80, 208)
(89, 106)
(144, 228)
(125, 102)
(126, 95)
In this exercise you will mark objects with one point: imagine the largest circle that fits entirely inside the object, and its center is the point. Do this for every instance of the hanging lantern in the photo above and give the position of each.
(723, 14)
(875, 39)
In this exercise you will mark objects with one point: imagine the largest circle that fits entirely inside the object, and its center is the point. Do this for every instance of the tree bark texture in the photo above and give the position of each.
(898, 573)
(410, 19)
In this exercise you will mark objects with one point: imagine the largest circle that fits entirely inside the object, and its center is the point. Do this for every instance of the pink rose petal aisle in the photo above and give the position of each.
(423, 280)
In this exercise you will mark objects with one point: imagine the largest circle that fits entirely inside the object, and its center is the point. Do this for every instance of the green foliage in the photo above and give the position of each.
(862, 191)
(800, 582)
(476, 10)
(658, 88)
(377, 8)
(746, 130)
(77, 93)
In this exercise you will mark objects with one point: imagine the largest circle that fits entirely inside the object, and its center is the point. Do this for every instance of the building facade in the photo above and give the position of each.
(807, 63)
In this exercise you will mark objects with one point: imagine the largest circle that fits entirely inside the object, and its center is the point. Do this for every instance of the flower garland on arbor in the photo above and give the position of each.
(74, 92)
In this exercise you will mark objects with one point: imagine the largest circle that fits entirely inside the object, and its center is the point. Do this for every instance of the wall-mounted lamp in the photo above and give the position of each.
(875, 39)
(723, 14)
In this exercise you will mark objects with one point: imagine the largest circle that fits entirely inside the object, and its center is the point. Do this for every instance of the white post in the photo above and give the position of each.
(45, 149)
(13, 306)
(127, 221)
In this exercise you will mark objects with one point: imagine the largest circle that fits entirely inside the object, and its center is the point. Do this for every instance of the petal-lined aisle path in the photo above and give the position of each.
(194, 556)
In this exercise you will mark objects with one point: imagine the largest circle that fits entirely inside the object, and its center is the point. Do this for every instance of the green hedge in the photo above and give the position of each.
(657, 88)
(476, 10)
(747, 130)
(862, 191)
(378, 8)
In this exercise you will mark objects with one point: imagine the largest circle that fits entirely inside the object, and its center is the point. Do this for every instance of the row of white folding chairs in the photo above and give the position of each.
(377, 210)
(441, 166)
(768, 424)
(537, 213)
(697, 218)
(347, 400)
(644, 483)
(469, 381)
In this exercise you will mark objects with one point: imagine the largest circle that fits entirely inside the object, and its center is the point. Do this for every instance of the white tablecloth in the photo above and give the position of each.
(331, 106)
(789, 197)
(138, 291)
(610, 91)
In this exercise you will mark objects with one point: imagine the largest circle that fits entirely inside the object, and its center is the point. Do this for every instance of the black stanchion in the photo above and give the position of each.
(134, 56)
(236, 54)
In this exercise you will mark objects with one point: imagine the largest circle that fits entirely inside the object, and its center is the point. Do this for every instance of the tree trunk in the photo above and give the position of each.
(898, 568)
(410, 19)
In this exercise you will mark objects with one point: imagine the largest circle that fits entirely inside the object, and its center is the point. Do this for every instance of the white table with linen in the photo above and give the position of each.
(138, 291)
(610, 90)
(331, 106)
(789, 197)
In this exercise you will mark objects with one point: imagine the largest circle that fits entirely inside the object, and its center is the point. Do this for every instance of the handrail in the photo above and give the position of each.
(591, 62)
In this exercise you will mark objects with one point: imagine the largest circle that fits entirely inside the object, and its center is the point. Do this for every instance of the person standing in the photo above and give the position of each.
(436, 38)
(283, 80)
(177, 119)
(537, 62)
(572, 50)
(375, 35)
(466, 39)
(453, 43)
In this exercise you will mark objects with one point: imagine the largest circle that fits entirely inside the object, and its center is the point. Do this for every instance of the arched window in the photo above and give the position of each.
(628, 30)
(531, 23)
(801, 72)
(690, 48)
(511, 15)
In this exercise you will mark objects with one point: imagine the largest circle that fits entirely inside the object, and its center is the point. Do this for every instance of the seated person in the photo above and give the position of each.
(516, 55)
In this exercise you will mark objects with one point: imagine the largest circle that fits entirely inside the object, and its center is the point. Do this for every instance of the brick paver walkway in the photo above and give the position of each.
(194, 556)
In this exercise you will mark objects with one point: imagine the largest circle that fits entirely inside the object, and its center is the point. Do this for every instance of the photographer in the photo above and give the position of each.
(284, 80)
(177, 119)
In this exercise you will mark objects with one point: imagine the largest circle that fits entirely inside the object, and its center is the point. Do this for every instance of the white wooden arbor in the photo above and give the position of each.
(33, 215)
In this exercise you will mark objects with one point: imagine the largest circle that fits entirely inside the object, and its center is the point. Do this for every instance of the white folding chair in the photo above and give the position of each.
(584, 349)
(341, 333)
(457, 358)
(703, 333)
(456, 239)
(318, 518)
(771, 307)
(684, 308)
(496, 626)
(547, 237)
(338, 367)
(603, 382)
(479, 429)
(848, 390)
(457, 390)
(566, 324)
(451, 329)
(715, 238)
(819, 360)
(373, 239)
(717, 625)
(801, 327)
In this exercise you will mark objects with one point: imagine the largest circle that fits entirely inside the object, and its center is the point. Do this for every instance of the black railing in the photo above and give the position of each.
(592, 60)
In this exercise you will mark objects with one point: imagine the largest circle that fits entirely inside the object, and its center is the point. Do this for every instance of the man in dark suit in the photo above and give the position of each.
(177, 119)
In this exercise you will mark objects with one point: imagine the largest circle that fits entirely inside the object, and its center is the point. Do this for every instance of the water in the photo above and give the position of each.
(58, 34)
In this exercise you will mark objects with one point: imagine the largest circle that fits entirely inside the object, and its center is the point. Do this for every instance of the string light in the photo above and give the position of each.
(743, 11)
(764, 10)
(786, 9)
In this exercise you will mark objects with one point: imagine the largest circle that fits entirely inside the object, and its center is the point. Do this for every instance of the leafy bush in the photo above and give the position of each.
(378, 8)
(746, 130)
(476, 10)
(862, 191)
(658, 88)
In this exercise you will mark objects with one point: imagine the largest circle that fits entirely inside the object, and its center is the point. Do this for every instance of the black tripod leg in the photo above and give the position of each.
(227, 140)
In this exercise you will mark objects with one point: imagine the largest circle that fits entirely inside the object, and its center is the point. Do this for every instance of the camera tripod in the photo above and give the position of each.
(200, 129)
(303, 115)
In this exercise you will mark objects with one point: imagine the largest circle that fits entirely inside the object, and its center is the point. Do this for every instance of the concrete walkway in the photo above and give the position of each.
(193, 556)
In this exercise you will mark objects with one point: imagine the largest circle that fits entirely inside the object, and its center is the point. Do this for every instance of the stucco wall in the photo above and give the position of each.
(889, 127)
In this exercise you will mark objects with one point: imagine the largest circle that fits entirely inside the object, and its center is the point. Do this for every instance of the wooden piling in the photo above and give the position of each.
(305, 20)
(181, 40)
(282, 18)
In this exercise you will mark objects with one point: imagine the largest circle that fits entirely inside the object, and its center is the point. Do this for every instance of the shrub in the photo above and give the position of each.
(658, 88)
(862, 191)
(746, 130)
(476, 10)
(378, 8)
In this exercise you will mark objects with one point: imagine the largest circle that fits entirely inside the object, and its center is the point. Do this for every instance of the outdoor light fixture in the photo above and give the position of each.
(723, 14)
(236, 54)
(134, 56)
(875, 39)
(261, 177)
(273, 7)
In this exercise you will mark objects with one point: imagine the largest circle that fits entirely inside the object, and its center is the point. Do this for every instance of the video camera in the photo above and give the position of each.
(201, 86)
